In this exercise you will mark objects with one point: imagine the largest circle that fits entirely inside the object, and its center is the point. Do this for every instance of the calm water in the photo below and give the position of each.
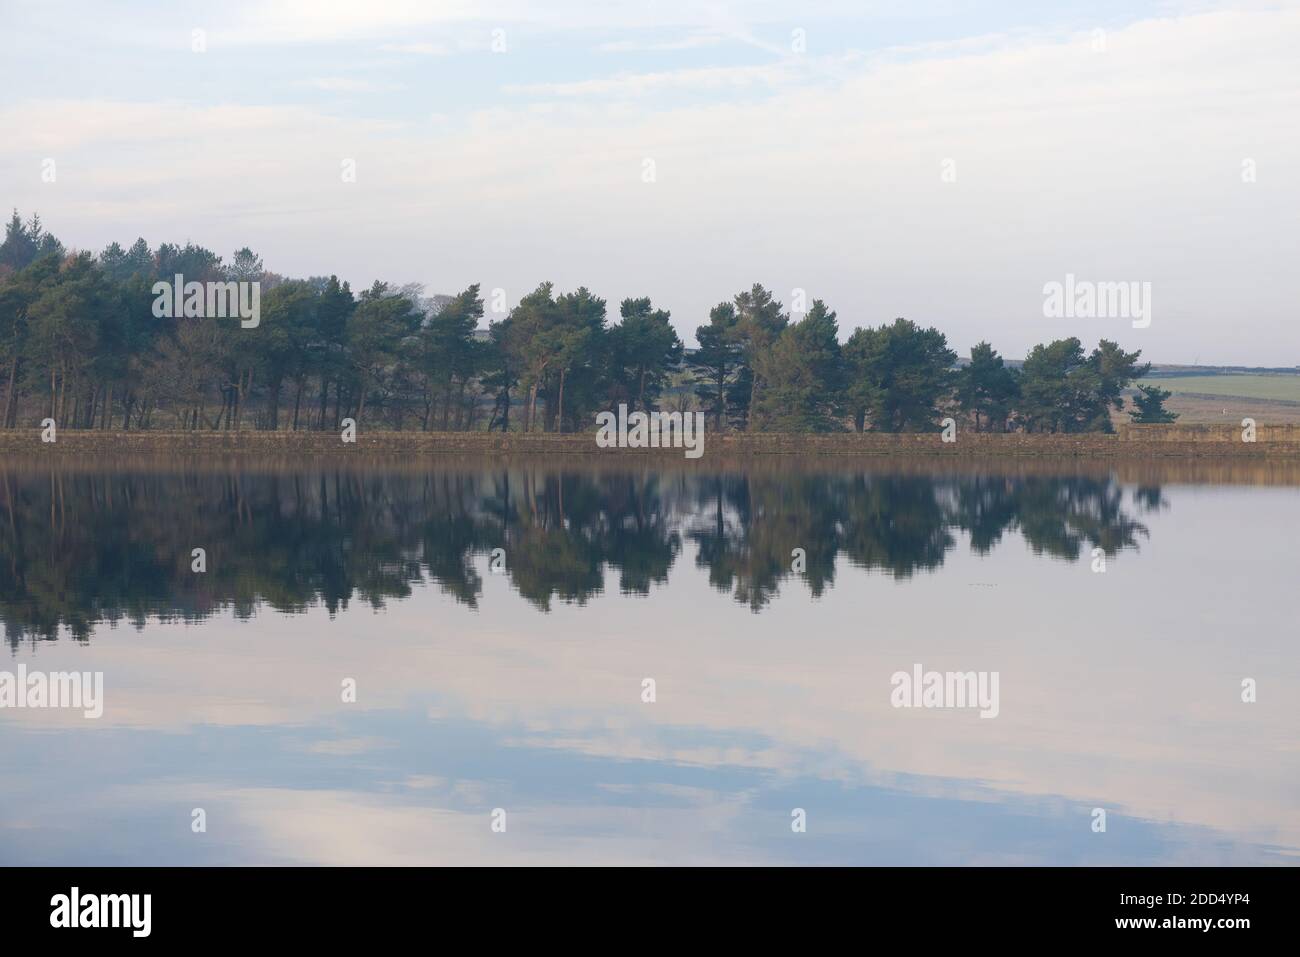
(513, 679)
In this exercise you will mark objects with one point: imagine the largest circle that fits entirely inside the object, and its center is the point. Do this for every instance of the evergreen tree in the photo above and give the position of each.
(245, 266)
(986, 388)
(804, 376)
(79, 341)
(577, 341)
(451, 356)
(759, 321)
(643, 349)
(1150, 402)
(716, 363)
(898, 375)
(19, 246)
(1062, 390)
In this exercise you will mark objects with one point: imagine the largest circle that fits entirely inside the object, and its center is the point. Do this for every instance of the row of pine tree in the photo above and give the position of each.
(79, 342)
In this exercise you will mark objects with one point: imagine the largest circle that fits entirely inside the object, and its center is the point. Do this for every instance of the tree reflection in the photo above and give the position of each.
(82, 548)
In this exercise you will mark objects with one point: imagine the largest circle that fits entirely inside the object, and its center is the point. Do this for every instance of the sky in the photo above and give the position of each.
(941, 161)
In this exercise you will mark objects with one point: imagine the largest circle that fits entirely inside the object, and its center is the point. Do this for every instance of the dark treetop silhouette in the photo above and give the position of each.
(80, 343)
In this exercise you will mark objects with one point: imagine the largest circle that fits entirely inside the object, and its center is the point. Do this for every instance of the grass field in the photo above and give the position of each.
(1274, 387)
(1228, 410)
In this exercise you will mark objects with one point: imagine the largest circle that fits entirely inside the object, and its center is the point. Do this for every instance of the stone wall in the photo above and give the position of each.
(1207, 433)
(1132, 442)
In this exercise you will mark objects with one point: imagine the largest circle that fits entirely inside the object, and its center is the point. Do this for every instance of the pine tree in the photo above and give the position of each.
(1150, 402)
(986, 388)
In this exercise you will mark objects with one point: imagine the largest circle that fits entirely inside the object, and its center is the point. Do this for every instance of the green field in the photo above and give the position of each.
(1277, 387)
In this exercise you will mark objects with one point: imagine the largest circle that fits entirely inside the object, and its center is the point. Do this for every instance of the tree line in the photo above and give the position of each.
(79, 343)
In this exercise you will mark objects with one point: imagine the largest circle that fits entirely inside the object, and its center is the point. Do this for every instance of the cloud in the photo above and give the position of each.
(344, 84)
(640, 84)
(822, 174)
(355, 828)
(349, 747)
(332, 21)
(695, 41)
(416, 49)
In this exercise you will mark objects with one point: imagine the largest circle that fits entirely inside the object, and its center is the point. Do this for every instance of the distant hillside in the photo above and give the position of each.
(1266, 386)
(1162, 370)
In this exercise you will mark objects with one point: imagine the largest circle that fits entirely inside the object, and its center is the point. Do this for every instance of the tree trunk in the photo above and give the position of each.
(559, 403)
(241, 397)
(460, 405)
(549, 423)
(324, 402)
(722, 401)
(10, 394)
(275, 405)
(753, 397)
(361, 406)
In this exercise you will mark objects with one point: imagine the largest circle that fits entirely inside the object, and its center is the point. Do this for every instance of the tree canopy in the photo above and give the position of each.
(79, 342)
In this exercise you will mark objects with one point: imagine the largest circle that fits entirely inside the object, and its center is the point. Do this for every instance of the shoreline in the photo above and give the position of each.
(1129, 442)
(1156, 471)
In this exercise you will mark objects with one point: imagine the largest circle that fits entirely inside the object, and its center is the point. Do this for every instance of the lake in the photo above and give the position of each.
(558, 661)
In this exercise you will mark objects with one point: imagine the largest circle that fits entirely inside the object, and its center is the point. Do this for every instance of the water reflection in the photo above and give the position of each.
(521, 688)
(81, 548)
